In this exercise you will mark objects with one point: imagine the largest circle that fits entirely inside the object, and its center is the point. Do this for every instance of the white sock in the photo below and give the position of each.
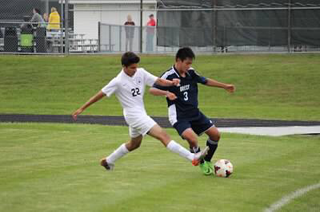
(177, 148)
(118, 153)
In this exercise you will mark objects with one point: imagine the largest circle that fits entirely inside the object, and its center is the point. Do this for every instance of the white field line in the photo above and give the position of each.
(286, 199)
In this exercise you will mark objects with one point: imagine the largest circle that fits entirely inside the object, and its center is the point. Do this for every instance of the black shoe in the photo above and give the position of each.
(106, 165)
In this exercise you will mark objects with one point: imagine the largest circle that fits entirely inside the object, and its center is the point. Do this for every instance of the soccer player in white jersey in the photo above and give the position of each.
(129, 86)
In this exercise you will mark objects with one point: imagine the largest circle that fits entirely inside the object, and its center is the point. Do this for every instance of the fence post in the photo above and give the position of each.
(99, 32)
(141, 23)
(110, 38)
(120, 30)
(61, 27)
(289, 26)
(66, 27)
(47, 7)
(215, 21)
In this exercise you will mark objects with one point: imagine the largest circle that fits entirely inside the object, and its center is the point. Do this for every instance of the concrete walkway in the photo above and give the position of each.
(244, 126)
(274, 131)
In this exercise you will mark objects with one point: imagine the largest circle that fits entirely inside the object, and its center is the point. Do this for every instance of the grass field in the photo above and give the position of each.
(52, 167)
(55, 167)
(268, 86)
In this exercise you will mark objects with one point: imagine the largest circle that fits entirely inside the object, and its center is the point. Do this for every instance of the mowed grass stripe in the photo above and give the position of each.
(268, 86)
(58, 170)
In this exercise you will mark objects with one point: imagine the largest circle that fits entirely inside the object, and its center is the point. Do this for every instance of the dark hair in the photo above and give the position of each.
(129, 58)
(37, 10)
(151, 15)
(184, 53)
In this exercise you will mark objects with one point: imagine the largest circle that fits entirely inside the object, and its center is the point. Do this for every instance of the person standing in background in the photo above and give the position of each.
(129, 28)
(36, 20)
(54, 20)
(53, 29)
(151, 25)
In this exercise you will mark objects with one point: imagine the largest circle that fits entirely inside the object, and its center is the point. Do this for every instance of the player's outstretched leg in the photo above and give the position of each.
(158, 133)
(108, 162)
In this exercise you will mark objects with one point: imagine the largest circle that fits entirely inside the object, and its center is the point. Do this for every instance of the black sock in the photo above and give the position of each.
(212, 148)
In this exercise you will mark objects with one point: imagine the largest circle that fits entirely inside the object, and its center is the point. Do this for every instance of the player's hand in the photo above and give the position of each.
(175, 82)
(230, 88)
(76, 113)
(171, 96)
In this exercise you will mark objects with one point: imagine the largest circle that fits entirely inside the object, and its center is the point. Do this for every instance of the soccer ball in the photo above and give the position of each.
(223, 168)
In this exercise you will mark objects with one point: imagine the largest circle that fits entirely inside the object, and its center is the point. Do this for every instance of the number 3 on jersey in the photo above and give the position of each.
(185, 94)
(135, 92)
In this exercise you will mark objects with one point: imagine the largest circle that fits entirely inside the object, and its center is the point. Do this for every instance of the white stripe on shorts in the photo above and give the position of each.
(172, 113)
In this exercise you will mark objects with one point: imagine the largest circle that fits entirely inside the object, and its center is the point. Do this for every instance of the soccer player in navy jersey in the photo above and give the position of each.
(184, 114)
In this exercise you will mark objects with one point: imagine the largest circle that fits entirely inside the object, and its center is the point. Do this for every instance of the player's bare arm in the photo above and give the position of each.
(92, 100)
(228, 87)
(164, 82)
(158, 92)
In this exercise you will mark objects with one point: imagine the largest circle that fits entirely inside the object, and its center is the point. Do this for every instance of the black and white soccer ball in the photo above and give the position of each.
(223, 168)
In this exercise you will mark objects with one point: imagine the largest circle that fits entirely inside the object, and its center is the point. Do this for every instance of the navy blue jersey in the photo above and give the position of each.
(186, 104)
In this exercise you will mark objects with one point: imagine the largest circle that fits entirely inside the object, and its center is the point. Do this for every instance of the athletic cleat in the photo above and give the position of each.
(199, 156)
(206, 168)
(106, 165)
(210, 165)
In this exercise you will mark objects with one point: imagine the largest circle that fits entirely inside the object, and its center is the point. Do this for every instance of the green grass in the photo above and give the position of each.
(55, 167)
(268, 86)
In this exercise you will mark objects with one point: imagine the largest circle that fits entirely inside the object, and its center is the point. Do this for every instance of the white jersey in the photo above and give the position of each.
(130, 91)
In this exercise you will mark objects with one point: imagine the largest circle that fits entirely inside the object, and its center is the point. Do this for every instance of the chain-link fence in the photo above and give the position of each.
(36, 26)
(119, 38)
(209, 26)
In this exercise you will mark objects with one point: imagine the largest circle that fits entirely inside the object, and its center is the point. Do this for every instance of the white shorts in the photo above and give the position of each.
(139, 125)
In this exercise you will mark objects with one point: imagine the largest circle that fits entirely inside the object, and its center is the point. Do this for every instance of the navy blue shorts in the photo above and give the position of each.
(199, 124)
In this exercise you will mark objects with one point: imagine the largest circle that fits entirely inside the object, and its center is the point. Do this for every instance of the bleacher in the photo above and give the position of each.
(38, 40)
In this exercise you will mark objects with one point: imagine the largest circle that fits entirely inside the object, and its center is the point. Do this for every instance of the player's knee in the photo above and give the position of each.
(218, 136)
(215, 137)
(214, 134)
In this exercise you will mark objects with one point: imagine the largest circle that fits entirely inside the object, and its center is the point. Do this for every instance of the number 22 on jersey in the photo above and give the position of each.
(135, 92)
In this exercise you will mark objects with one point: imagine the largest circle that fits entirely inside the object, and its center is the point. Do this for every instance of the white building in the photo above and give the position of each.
(87, 14)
